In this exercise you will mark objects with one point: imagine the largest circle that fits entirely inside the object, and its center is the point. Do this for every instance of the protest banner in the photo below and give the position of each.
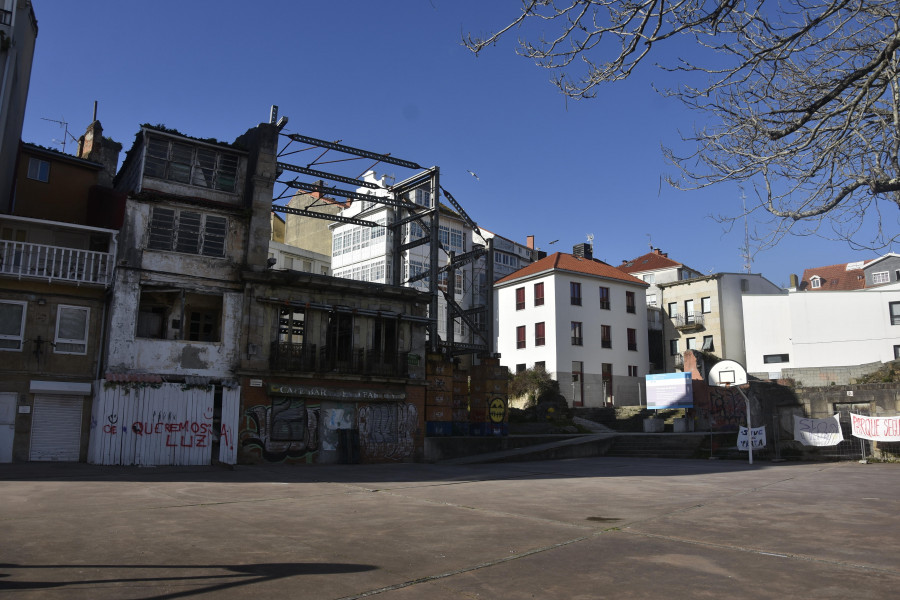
(818, 432)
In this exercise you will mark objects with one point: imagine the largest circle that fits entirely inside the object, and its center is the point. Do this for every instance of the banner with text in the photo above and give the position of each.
(879, 429)
(757, 437)
(818, 432)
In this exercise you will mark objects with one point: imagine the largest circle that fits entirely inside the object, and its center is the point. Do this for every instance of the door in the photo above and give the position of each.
(56, 428)
(7, 425)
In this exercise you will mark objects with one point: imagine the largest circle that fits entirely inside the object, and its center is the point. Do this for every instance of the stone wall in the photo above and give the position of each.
(825, 376)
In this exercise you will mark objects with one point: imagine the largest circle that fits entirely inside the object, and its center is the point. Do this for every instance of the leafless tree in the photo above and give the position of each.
(803, 95)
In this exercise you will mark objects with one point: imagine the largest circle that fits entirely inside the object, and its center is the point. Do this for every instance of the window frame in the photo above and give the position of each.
(815, 282)
(191, 164)
(38, 169)
(575, 293)
(520, 337)
(894, 312)
(187, 232)
(520, 298)
(577, 329)
(604, 297)
(540, 334)
(673, 347)
(606, 336)
(20, 338)
(706, 305)
(710, 347)
(881, 277)
(60, 342)
(672, 309)
(770, 359)
(630, 304)
(539, 293)
(631, 333)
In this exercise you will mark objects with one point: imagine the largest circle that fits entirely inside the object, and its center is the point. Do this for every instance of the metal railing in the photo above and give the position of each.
(39, 261)
(688, 320)
(306, 358)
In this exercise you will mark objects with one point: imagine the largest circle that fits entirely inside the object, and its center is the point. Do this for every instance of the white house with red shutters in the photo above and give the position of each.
(582, 320)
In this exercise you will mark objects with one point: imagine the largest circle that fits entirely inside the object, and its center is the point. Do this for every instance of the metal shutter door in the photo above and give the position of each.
(56, 428)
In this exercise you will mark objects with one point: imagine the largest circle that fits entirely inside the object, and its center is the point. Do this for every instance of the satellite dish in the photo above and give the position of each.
(726, 373)
(590, 238)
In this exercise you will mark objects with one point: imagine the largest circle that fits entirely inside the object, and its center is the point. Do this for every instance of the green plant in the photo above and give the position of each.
(534, 384)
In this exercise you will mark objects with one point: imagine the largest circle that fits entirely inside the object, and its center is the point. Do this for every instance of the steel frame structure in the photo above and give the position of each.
(405, 212)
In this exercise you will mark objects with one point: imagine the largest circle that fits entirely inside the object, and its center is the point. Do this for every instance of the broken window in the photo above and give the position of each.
(176, 314)
(188, 163)
(291, 325)
(186, 231)
(340, 336)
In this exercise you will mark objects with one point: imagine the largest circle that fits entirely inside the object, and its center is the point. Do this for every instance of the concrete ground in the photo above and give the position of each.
(571, 529)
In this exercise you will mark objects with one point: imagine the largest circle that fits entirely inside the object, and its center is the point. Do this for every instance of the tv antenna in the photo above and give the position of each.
(66, 134)
(590, 238)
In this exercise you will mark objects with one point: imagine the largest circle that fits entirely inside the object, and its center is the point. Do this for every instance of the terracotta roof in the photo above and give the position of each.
(567, 262)
(649, 262)
(836, 277)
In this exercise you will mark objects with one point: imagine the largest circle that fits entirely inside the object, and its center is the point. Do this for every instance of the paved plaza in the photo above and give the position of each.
(570, 529)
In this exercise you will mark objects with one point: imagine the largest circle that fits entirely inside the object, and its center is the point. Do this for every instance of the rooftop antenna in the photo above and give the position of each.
(590, 239)
(66, 134)
(745, 250)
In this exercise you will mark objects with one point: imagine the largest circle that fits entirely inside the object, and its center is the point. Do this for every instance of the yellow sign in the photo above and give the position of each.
(497, 410)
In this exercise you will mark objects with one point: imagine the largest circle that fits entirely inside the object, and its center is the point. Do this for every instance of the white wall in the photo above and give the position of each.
(824, 329)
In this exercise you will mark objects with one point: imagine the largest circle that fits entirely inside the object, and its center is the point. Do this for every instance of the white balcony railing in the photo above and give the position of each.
(54, 263)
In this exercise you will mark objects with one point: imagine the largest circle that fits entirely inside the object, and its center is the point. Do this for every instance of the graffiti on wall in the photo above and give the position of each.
(386, 430)
(727, 411)
(287, 429)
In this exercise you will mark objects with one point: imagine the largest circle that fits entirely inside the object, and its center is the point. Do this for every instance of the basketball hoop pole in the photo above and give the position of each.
(749, 434)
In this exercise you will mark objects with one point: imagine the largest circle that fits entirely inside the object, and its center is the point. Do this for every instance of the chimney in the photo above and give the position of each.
(795, 282)
(93, 147)
(529, 242)
(584, 250)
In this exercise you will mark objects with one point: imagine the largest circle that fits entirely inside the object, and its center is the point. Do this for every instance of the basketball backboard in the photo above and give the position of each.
(727, 372)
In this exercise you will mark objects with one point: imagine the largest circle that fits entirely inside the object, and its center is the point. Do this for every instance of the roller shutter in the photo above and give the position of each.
(56, 428)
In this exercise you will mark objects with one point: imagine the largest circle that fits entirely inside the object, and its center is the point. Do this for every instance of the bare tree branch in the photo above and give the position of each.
(801, 97)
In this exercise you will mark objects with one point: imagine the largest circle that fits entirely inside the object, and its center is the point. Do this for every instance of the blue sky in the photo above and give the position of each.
(391, 77)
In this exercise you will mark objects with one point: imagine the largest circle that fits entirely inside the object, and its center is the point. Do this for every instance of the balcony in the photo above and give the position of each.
(304, 358)
(54, 263)
(688, 322)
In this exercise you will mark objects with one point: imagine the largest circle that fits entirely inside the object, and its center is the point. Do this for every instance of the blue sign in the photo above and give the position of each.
(669, 390)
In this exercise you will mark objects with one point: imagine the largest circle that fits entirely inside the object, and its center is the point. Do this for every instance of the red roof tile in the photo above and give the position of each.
(649, 262)
(835, 277)
(567, 262)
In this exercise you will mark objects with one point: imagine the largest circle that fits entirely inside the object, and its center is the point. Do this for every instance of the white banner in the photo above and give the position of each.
(880, 429)
(757, 437)
(818, 432)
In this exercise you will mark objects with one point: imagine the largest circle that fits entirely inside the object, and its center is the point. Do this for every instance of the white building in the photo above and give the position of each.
(291, 258)
(804, 330)
(582, 320)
